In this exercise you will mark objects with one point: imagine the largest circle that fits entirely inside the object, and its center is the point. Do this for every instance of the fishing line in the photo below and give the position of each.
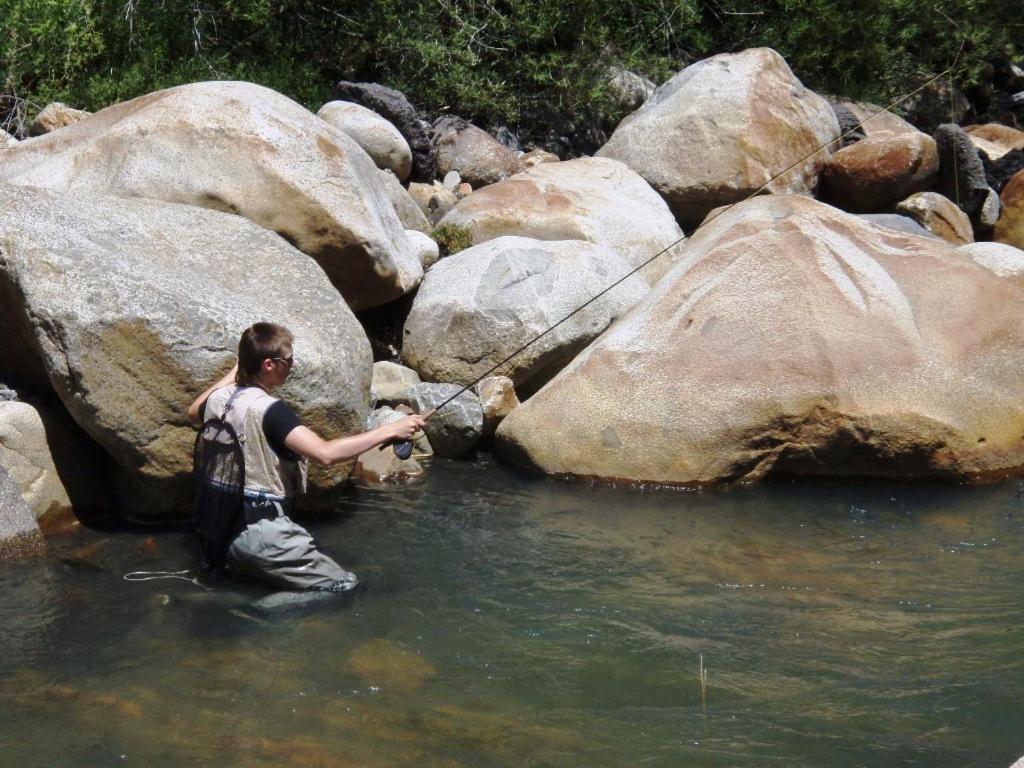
(672, 245)
(156, 575)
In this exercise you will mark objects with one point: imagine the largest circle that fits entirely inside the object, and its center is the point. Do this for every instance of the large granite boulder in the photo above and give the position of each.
(19, 533)
(795, 339)
(381, 140)
(880, 170)
(1009, 227)
(55, 466)
(478, 306)
(394, 107)
(245, 149)
(939, 215)
(55, 115)
(721, 128)
(471, 152)
(592, 198)
(129, 308)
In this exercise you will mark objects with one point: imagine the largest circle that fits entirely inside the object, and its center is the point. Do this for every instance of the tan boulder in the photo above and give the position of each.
(879, 170)
(390, 380)
(537, 157)
(498, 399)
(1009, 227)
(722, 128)
(793, 338)
(54, 465)
(378, 136)
(244, 149)
(128, 309)
(998, 258)
(474, 154)
(54, 116)
(874, 119)
(377, 467)
(939, 215)
(592, 198)
(994, 139)
(476, 307)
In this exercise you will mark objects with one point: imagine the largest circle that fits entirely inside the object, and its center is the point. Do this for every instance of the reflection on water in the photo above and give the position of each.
(513, 621)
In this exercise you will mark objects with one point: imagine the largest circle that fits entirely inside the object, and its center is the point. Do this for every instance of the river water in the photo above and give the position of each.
(506, 620)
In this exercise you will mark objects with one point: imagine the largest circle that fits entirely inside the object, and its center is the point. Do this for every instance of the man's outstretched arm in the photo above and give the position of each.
(306, 442)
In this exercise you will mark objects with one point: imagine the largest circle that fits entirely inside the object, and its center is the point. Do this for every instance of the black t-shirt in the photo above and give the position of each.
(278, 421)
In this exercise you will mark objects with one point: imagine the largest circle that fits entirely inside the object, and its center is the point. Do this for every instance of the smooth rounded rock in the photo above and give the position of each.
(592, 198)
(381, 140)
(129, 308)
(793, 339)
(406, 207)
(939, 215)
(453, 430)
(722, 128)
(55, 116)
(498, 399)
(994, 139)
(244, 149)
(880, 170)
(477, 307)
(390, 380)
(472, 153)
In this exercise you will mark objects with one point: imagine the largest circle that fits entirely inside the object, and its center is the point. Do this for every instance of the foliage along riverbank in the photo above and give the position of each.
(540, 68)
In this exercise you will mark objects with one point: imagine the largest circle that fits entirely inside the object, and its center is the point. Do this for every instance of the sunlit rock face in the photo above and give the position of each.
(793, 338)
(244, 149)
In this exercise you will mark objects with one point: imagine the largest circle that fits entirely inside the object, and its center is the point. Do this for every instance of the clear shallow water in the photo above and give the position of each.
(507, 620)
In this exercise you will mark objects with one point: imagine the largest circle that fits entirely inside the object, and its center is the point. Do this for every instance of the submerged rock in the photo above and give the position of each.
(478, 306)
(592, 198)
(793, 338)
(244, 149)
(129, 308)
(722, 128)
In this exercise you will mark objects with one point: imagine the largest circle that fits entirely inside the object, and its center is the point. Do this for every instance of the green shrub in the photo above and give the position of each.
(452, 238)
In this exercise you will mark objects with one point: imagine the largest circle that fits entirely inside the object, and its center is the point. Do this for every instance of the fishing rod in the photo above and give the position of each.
(403, 448)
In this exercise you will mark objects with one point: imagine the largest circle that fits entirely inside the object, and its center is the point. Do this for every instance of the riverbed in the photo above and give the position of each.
(507, 620)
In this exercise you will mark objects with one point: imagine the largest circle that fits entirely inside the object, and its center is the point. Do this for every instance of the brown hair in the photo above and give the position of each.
(259, 342)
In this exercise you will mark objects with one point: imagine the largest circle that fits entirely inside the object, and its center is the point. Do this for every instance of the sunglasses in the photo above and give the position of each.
(288, 361)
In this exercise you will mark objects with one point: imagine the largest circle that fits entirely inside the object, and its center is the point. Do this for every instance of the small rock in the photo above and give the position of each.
(538, 156)
(472, 152)
(463, 190)
(454, 430)
(498, 399)
(406, 207)
(433, 199)
(382, 141)
(6, 393)
(995, 139)
(871, 118)
(939, 215)
(390, 380)
(936, 105)
(629, 89)
(451, 180)
(55, 115)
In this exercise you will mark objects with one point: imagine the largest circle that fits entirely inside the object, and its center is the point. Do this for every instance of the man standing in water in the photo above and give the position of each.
(276, 448)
